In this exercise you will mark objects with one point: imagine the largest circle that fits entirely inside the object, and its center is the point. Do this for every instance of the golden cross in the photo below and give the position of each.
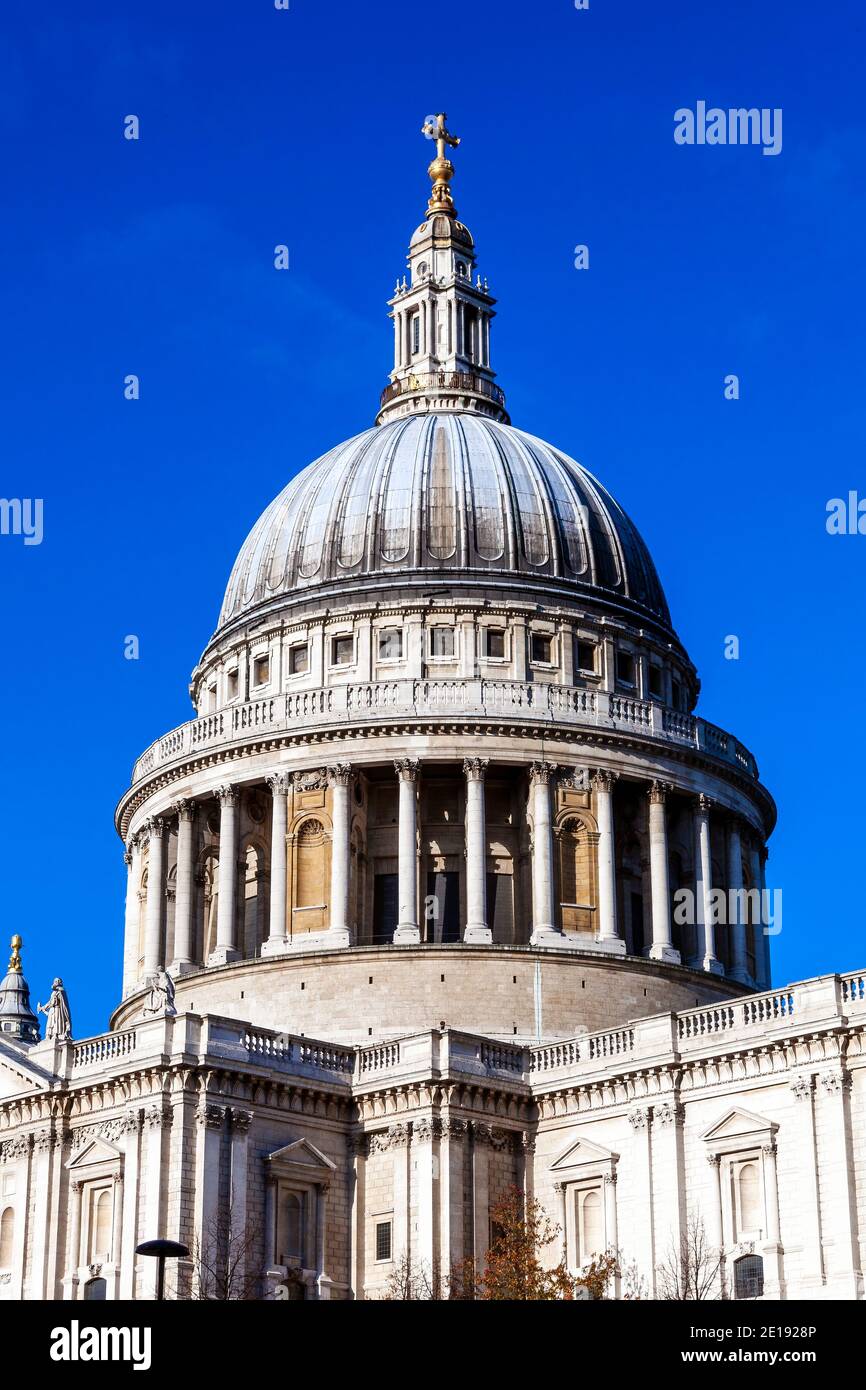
(434, 129)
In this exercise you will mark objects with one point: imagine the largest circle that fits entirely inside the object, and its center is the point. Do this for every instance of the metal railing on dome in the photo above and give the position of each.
(442, 381)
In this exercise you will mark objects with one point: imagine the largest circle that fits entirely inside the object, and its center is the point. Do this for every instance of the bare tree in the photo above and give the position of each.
(224, 1258)
(411, 1282)
(692, 1269)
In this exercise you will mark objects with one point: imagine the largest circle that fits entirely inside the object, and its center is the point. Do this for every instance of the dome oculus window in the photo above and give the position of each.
(342, 651)
(299, 659)
(495, 647)
(391, 644)
(442, 642)
(541, 648)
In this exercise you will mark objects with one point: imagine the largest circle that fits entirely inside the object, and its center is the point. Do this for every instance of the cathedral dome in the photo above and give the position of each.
(445, 493)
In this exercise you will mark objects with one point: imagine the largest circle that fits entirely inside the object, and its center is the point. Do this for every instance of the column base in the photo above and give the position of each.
(182, 967)
(548, 936)
(712, 966)
(276, 946)
(223, 955)
(330, 940)
(477, 935)
(742, 977)
(407, 934)
(668, 954)
(605, 945)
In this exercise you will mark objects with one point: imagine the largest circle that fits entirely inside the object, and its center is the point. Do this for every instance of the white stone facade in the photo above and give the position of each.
(414, 871)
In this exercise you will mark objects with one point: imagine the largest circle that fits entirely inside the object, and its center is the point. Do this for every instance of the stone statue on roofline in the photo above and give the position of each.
(58, 1027)
(160, 999)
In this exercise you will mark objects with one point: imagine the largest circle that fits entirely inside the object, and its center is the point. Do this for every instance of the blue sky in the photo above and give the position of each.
(261, 127)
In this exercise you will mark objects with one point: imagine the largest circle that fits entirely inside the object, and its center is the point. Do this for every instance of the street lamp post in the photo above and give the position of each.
(162, 1250)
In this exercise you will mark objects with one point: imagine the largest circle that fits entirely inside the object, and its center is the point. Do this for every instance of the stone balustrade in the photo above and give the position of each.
(381, 702)
(647, 1042)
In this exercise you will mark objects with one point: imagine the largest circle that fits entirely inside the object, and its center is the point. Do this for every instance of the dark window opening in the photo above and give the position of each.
(625, 668)
(542, 647)
(586, 656)
(442, 908)
(383, 1240)
(385, 908)
(495, 643)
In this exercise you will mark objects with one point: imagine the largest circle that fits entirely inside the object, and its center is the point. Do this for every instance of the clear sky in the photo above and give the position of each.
(261, 126)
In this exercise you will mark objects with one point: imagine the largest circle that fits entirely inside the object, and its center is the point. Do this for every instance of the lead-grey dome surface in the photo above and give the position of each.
(451, 492)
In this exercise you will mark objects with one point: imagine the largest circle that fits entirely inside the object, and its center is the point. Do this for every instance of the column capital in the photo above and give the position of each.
(127, 855)
(714, 1160)
(658, 792)
(339, 774)
(407, 769)
(279, 783)
(541, 772)
(227, 795)
(184, 808)
(802, 1086)
(475, 768)
(603, 780)
(704, 804)
(154, 827)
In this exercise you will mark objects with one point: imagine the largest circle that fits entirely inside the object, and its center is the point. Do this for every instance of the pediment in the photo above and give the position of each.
(580, 1153)
(18, 1074)
(97, 1151)
(739, 1124)
(302, 1157)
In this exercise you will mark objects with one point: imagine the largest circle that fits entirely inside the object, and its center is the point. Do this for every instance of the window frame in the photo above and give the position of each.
(442, 627)
(298, 647)
(383, 1222)
(489, 631)
(384, 634)
(336, 637)
(549, 662)
(627, 684)
(256, 662)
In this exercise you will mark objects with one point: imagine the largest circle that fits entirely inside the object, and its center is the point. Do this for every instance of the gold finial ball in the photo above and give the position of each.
(15, 961)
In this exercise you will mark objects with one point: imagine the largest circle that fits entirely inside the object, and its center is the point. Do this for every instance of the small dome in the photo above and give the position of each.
(444, 227)
(17, 1019)
(454, 494)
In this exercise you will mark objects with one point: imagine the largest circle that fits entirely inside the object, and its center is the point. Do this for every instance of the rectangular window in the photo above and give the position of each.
(496, 643)
(625, 668)
(391, 644)
(676, 694)
(232, 685)
(383, 1240)
(586, 656)
(541, 647)
(655, 680)
(299, 660)
(441, 641)
(342, 651)
(416, 334)
(261, 670)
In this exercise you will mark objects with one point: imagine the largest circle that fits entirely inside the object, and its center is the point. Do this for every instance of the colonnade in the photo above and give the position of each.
(607, 938)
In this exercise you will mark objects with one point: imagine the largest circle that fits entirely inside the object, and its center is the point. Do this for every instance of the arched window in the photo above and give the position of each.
(254, 899)
(7, 1237)
(575, 876)
(310, 891)
(749, 1277)
(748, 1190)
(590, 1225)
(100, 1225)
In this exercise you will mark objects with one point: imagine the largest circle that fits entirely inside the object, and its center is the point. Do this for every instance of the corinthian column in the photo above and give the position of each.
(608, 938)
(408, 932)
(153, 947)
(338, 933)
(277, 935)
(132, 859)
(544, 929)
(183, 900)
(226, 942)
(736, 914)
(662, 947)
(476, 929)
(704, 887)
